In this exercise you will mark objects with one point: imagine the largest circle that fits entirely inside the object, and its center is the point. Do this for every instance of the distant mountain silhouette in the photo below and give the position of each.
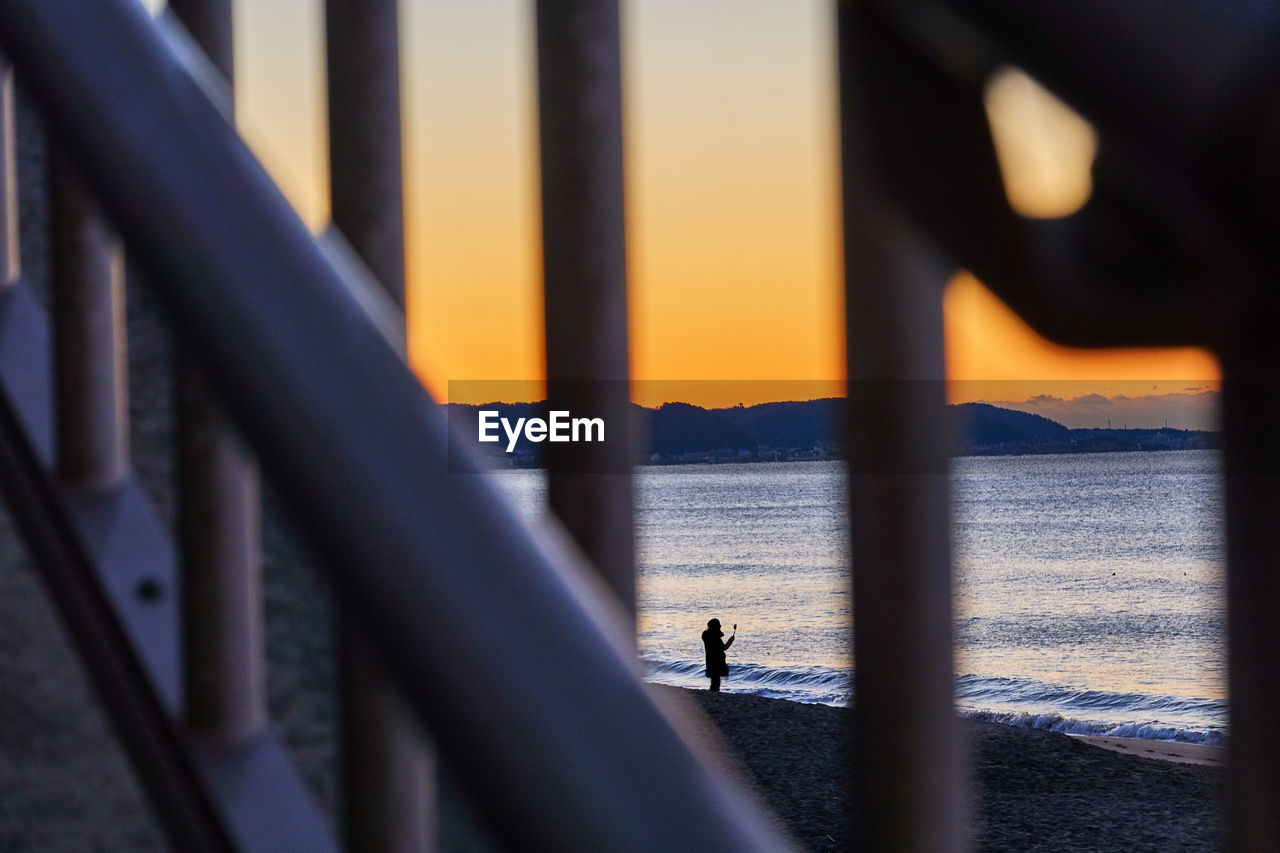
(464, 413)
(811, 423)
(811, 429)
(678, 428)
(984, 425)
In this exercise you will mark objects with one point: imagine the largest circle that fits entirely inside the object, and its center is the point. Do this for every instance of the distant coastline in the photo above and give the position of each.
(803, 431)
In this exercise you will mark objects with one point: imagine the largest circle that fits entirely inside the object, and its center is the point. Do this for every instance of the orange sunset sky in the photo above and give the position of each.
(732, 197)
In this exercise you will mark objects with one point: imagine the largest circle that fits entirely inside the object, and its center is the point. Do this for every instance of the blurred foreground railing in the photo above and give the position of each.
(1176, 246)
(499, 636)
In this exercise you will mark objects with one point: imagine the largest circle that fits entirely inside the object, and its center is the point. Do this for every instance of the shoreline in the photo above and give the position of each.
(1160, 750)
(1030, 789)
(968, 453)
(1164, 750)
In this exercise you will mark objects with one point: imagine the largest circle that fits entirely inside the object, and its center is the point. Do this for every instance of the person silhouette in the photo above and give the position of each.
(717, 666)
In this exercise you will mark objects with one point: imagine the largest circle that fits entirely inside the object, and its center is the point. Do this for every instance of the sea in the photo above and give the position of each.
(1089, 588)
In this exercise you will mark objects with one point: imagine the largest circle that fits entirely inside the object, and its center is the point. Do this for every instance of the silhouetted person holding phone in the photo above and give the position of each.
(716, 663)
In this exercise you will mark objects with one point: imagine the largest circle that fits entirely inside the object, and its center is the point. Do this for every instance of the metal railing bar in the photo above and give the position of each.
(262, 801)
(24, 333)
(134, 564)
(10, 266)
(106, 547)
(211, 27)
(388, 772)
(908, 767)
(89, 335)
(31, 377)
(219, 518)
(220, 542)
(365, 172)
(500, 637)
(214, 78)
(1252, 505)
(585, 278)
(377, 304)
(182, 804)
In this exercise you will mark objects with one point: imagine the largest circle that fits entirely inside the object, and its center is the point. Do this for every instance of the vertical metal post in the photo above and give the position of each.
(584, 278)
(387, 768)
(362, 41)
(88, 310)
(210, 25)
(10, 265)
(221, 569)
(220, 523)
(1252, 462)
(907, 761)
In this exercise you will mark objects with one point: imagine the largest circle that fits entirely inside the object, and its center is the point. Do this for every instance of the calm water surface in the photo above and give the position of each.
(1089, 587)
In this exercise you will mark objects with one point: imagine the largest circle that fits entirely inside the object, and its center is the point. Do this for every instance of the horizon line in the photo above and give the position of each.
(992, 404)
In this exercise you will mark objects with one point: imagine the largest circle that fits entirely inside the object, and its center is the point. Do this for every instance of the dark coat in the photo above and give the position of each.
(716, 663)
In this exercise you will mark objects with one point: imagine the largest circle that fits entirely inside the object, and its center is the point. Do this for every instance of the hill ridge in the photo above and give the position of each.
(678, 432)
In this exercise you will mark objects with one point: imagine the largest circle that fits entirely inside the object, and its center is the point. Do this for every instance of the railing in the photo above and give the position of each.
(1175, 246)
(567, 749)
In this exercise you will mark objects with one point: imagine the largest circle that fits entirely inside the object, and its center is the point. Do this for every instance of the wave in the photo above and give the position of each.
(1028, 703)
(976, 689)
(1154, 730)
(813, 685)
(1022, 702)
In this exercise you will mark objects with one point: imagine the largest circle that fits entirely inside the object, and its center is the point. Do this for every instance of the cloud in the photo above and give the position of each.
(1184, 410)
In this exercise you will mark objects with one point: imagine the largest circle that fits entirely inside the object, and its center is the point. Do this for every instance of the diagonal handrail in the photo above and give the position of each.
(498, 634)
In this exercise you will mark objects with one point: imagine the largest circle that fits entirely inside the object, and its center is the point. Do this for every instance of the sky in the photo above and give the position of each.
(732, 199)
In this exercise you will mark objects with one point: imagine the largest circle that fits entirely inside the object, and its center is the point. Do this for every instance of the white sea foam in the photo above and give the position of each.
(1133, 715)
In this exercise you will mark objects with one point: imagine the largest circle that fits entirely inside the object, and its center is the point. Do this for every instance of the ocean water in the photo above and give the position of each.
(1089, 588)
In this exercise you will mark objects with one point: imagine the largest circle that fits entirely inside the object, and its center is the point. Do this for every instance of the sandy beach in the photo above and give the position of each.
(1033, 790)
(1181, 753)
